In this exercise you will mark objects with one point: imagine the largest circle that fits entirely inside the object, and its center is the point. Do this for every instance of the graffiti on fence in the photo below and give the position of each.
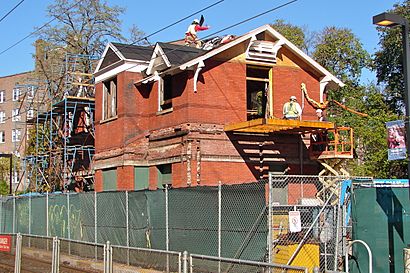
(59, 221)
(22, 216)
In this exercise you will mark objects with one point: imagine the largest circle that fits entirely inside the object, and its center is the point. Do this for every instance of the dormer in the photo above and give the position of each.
(159, 61)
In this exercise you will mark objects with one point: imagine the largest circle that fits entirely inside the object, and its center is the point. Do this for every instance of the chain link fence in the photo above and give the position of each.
(288, 220)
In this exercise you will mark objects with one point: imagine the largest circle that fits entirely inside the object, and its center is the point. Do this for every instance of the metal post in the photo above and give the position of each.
(337, 239)
(17, 259)
(95, 224)
(55, 261)
(29, 220)
(166, 225)
(14, 214)
(127, 226)
(68, 223)
(185, 262)
(47, 230)
(219, 224)
(270, 219)
(406, 76)
(108, 258)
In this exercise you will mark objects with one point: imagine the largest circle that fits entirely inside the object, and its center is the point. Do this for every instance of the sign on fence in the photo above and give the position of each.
(5, 243)
(294, 221)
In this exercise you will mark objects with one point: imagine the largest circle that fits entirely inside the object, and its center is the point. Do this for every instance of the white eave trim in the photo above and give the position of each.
(130, 66)
(116, 51)
(158, 53)
(275, 34)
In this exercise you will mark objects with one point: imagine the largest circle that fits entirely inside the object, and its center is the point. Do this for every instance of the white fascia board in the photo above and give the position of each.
(116, 51)
(276, 35)
(158, 52)
(128, 66)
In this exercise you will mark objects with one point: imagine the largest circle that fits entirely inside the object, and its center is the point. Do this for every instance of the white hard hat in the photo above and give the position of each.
(196, 21)
(319, 111)
(292, 97)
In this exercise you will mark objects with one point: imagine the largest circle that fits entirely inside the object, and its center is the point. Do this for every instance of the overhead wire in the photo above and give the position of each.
(214, 33)
(40, 28)
(8, 13)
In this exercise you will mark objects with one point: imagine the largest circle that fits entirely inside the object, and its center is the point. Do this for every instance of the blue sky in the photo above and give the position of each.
(150, 16)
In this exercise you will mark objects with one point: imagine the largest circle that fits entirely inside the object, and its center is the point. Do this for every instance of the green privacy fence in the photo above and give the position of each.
(228, 221)
(381, 218)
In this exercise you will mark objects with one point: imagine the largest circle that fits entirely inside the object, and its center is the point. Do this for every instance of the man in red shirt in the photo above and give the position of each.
(191, 36)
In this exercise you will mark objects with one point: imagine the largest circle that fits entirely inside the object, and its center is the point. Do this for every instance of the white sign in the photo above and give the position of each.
(294, 221)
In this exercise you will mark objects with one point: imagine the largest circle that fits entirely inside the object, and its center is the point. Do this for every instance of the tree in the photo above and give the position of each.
(291, 32)
(342, 53)
(82, 28)
(388, 61)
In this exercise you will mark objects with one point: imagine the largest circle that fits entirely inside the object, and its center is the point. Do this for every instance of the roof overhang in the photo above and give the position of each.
(286, 126)
(250, 36)
(107, 47)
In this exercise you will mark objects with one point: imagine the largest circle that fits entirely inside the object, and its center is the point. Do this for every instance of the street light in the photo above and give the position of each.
(391, 20)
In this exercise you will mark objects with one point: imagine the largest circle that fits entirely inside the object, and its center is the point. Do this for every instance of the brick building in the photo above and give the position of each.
(173, 114)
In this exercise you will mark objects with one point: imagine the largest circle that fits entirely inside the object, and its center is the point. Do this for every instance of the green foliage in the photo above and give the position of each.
(291, 32)
(369, 132)
(341, 52)
(388, 61)
(4, 188)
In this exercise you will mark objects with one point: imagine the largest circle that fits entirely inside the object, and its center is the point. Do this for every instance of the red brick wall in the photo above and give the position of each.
(125, 178)
(286, 83)
(98, 181)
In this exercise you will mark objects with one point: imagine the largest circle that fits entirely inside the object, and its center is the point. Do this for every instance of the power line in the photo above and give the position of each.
(219, 31)
(7, 14)
(40, 28)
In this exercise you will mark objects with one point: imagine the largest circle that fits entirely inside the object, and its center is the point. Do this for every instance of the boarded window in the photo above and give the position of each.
(141, 178)
(164, 175)
(165, 93)
(109, 179)
(110, 98)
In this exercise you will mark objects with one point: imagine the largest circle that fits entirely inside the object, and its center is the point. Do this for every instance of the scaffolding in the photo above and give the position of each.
(63, 133)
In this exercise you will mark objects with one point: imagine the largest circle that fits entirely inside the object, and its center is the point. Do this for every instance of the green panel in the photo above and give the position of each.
(109, 179)
(141, 178)
(39, 215)
(111, 218)
(139, 220)
(380, 218)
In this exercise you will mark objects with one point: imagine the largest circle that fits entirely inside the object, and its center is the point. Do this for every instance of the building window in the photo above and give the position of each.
(2, 137)
(257, 92)
(15, 135)
(15, 116)
(2, 96)
(30, 92)
(164, 175)
(30, 113)
(165, 93)
(16, 94)
(2, 117)
(110, 99)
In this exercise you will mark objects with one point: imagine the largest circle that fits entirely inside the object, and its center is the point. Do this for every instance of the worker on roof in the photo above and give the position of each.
(292, 109)
(191, 36)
